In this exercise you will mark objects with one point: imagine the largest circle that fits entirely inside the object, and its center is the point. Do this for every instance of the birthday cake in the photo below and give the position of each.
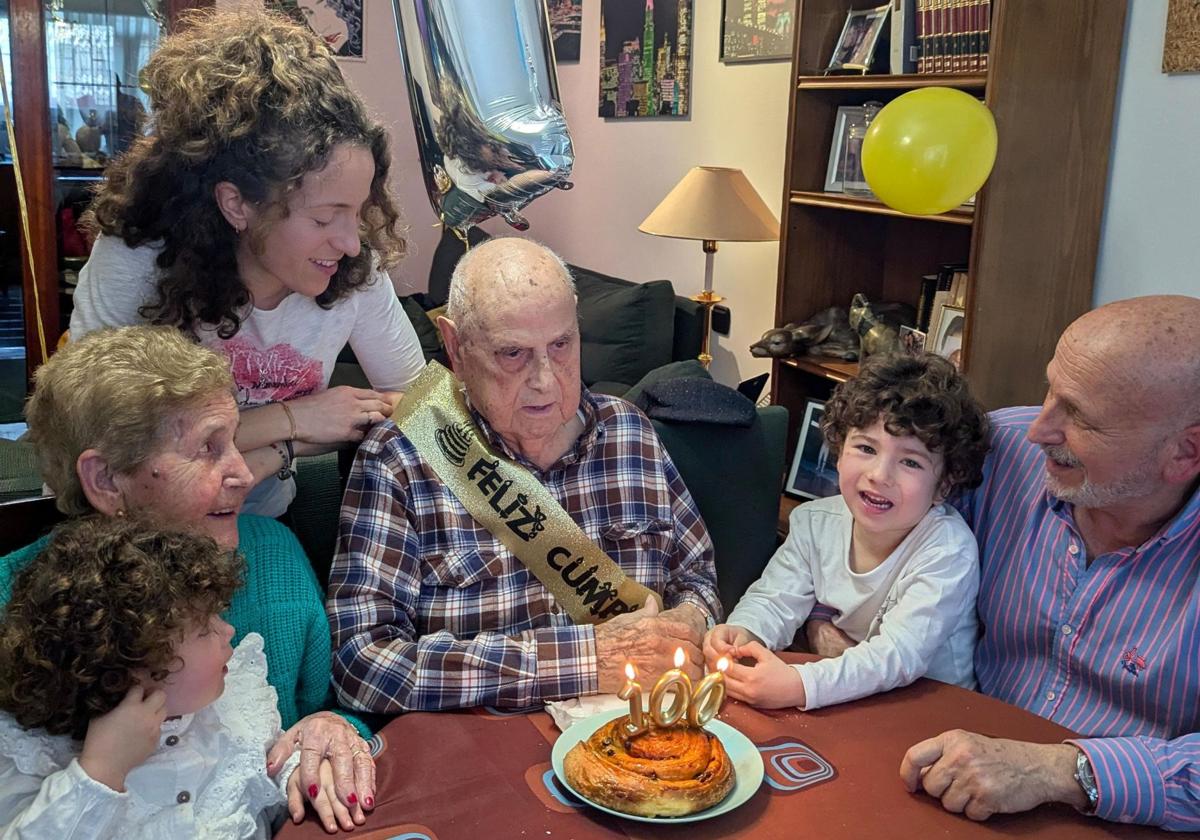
(663, 772)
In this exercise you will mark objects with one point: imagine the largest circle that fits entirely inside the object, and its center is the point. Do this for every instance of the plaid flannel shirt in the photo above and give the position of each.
(430, 611)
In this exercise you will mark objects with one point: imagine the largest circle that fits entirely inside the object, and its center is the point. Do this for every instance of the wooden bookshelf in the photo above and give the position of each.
(964, 215)
(1031, 239)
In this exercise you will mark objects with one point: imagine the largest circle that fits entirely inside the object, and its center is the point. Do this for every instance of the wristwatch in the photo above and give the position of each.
(1087, 780)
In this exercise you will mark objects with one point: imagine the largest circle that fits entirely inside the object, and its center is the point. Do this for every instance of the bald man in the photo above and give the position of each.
(1088, 523)
(429, 609)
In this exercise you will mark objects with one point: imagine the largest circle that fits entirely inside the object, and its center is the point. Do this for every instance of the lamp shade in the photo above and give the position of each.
(716, 203)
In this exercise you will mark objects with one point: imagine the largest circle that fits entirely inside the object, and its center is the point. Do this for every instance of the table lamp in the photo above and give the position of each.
(712, 204)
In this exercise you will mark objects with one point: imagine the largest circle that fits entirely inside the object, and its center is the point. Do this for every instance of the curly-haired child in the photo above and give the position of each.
(899, 565)
(123, 709)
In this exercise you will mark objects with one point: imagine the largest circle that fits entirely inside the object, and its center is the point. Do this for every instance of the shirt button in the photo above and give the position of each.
(172, 740)
(183, 798)
(1074, 549)
(1050, 695)
(1066, 628)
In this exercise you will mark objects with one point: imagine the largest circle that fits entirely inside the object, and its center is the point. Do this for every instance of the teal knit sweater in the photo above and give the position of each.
(280, 600)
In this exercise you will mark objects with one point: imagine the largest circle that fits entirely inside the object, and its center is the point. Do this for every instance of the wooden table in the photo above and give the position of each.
(830, 774)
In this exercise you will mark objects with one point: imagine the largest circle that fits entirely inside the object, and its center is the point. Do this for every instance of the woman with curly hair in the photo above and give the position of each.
(140, 421)
(122, 699)
(256, 217)
(900, 567)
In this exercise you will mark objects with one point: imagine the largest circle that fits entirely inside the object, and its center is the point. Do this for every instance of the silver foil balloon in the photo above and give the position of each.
(484, 96)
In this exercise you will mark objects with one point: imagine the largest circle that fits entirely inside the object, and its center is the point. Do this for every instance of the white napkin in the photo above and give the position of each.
(567, 712)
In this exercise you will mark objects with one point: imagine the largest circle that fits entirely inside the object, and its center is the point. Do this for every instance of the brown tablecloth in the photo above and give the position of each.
(830, 774)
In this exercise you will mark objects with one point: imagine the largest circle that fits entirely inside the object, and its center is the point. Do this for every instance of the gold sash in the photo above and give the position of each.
(513, 505)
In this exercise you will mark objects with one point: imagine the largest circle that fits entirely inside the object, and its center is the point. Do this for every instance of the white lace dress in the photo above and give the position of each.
(207, 779)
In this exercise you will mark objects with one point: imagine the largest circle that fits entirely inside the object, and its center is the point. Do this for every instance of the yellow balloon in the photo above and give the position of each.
(929, 150)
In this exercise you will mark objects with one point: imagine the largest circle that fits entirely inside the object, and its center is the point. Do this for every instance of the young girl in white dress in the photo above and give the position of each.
(124, 712)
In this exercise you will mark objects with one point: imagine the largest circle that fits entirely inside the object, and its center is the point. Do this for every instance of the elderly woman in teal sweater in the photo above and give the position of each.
(142, 419)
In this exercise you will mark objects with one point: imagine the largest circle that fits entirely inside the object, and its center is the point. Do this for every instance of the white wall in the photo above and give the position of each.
(1149, 240)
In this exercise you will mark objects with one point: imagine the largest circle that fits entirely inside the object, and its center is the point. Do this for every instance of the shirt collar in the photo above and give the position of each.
(1179, 524)
(593, 430)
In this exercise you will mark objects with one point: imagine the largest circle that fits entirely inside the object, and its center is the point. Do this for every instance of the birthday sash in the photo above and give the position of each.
(513, 505)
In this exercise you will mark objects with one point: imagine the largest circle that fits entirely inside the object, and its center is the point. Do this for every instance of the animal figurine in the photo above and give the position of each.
(827, 333)
(878, 325)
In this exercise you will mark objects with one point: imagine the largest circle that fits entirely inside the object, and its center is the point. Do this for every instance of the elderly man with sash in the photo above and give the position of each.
(510, 538)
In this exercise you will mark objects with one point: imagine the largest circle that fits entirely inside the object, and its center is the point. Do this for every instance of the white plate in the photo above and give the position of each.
(745, 757)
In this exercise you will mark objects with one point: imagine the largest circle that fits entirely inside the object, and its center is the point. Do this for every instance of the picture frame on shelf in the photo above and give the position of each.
(854, 51)
(814, 469)
(843, 173)
(912, 340)
(946, 333)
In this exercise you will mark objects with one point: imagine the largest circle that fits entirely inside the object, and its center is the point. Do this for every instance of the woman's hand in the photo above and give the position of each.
(326, 737)
(332, 813)
(122, 739)
(339, 414)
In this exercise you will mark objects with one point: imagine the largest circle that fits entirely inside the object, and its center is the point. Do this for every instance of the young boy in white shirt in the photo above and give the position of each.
(899, 565)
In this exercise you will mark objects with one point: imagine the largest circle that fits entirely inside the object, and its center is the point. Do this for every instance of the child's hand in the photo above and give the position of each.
(332, 813)
(769, 683)
(722, 640)
(121, 740)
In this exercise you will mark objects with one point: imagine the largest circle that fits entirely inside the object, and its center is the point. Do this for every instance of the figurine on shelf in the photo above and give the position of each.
(878, 324)
(827, 333)
(87, 137)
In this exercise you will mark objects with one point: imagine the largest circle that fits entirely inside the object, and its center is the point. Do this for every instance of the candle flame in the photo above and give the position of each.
(679, 658)
(630, 673)
(723, 664)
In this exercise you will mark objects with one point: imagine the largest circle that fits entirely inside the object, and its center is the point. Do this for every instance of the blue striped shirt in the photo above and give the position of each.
(1110, 650)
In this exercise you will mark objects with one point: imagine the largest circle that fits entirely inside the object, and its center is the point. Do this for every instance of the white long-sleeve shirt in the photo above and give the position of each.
(912, 616)
(278, 354)
(207, 779)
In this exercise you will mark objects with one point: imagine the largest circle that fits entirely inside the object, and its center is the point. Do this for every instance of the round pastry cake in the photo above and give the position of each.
(660, 773)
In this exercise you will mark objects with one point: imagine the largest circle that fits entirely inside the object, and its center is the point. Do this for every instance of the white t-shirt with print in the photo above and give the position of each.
(277, 354)
(912, 616)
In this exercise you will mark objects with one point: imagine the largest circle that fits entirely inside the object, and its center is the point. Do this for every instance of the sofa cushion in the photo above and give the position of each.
(686, 369)
(626, 329)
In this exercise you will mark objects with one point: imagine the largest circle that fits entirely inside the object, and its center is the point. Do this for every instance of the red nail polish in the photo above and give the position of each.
(370, 800)
(312, 791)
(352, 798)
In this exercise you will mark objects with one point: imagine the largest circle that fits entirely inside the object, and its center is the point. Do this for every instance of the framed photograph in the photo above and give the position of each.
(814, 470)
(855, 49)
(338, 22)
(912, 340)
(844, 171)
(946, 333)
(757, 30)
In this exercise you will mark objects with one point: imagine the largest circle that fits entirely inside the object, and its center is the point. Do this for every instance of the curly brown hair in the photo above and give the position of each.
(251, 98)
(918, 394)
(105, 597)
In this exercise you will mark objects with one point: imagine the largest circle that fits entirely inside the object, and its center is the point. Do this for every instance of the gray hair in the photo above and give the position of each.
(115, 390)
(505, 265)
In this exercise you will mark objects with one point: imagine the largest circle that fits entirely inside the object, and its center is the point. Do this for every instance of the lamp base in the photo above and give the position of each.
(708, 300)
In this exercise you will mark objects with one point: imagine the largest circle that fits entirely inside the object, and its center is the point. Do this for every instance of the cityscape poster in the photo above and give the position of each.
(566, 21)
(757, 30)
(645, 58)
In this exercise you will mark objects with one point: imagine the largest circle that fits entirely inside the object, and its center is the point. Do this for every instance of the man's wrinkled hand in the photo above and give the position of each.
(825, 639)
(980, 776)
(649, 640)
